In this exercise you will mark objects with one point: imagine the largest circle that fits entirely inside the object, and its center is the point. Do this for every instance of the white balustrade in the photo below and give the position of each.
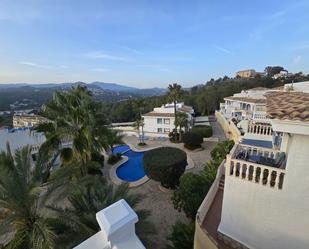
(260, 129)
(253, 172)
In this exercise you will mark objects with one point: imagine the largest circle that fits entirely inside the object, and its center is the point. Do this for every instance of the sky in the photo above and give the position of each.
(149, 43)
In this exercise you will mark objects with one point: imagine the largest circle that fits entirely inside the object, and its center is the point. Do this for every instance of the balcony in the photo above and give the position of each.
(257, 165)
(260, 128)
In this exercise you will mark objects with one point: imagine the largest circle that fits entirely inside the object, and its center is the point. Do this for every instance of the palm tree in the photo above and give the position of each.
(113, 138)
(76, 118)
(139, 125)
(181, 121)
(139, 105)
(174, 94)
(22, 199)
(78, 220)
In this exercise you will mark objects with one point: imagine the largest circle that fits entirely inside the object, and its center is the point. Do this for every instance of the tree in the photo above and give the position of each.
(174, 94)
(113, 138)
(181, 121)
(139, 125)
(77, 222)
(166, 165)
(182, 236)
(272, 70)
(190, 193)
(74, 117)
(139, 105)
(22, 200)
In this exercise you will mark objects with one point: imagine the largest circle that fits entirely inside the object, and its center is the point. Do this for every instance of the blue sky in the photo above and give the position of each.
(149, 43)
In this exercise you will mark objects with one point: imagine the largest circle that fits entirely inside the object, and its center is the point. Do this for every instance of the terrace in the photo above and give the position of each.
(260, 165)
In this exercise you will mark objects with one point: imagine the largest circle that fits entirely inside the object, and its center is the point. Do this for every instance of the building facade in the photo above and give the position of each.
(260, 196)
(248, 73)
(27, 120)
(161, 121)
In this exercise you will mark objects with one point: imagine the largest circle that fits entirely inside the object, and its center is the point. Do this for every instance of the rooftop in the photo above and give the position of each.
(158, 114)
(247, 99)
(288, 106)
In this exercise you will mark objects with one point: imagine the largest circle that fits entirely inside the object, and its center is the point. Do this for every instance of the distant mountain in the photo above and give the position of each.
(28, 96)
(113, 87)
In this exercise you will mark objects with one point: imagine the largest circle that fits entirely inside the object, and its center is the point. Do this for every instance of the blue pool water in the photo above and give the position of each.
(133, 169)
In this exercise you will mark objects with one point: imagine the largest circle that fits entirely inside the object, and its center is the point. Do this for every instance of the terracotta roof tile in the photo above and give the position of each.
(288, 106)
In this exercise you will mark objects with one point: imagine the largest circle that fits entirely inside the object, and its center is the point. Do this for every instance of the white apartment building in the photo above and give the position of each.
(21, 137)
(260, 196)
(246, 105)
(160, 121)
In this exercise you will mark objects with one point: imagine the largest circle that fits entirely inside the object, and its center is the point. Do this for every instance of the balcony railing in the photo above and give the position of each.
(248, 166)
(260, 129)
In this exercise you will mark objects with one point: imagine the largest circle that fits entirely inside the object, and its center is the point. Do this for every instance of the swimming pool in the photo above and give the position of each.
(133, 169)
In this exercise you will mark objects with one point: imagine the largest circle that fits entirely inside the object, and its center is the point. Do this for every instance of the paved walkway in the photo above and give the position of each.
(217, 130)
(163, 214)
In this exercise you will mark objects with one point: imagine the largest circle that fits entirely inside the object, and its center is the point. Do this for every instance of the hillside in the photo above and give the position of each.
(28, 96)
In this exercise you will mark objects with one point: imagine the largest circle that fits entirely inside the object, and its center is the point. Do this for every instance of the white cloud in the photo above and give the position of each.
(222, 49)
(103, 55)
(101, 70)
(33, 64)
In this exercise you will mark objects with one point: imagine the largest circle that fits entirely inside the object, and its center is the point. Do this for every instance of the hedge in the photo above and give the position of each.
(203, 130)
(114, 158)
(165, 165)
(192, 140)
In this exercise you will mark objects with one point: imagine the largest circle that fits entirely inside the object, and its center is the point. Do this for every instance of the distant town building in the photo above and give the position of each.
(281, 74)
(27, 120)
(160, 121)
(249, 73)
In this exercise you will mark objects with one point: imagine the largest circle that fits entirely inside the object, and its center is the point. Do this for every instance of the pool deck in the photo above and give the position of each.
(163, 215)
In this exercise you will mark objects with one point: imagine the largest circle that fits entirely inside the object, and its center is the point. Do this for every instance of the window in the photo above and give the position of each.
(166, 130)
(159, 120)
(166, 121)
(159, 130)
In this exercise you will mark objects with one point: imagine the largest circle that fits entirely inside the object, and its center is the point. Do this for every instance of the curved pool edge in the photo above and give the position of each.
(116, 180)
(190, 161)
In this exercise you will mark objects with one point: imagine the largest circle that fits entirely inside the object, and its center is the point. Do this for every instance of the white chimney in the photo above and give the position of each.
(117, 223)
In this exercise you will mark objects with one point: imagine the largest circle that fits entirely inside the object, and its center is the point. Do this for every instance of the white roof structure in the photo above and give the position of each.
(117, 223)
(18, 138)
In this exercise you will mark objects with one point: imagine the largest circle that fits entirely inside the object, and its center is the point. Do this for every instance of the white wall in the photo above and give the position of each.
(298, 86)
(151, 125)
(262, 217)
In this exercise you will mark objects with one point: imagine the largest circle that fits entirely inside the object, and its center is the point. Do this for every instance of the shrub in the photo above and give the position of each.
(141, 144)
(174, 136)
(203, 130)
(94, 168)
(192, 140)
(166, 165)
(182, 236)
(190, 193)
(220, 151)
(97, 157)
(114, 158)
